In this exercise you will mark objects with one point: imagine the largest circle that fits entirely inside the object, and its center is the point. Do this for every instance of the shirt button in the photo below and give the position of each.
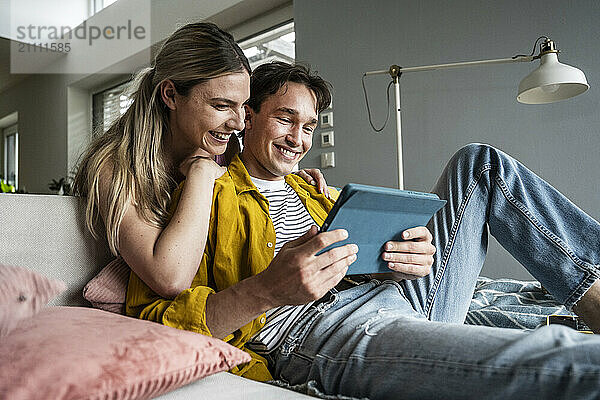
(269, 244)
(263, 320)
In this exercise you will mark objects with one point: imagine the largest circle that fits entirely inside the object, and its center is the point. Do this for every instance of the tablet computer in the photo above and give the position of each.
(374, 215)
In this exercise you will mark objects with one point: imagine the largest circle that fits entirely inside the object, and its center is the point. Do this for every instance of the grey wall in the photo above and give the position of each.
(444, 110)
(42, 107)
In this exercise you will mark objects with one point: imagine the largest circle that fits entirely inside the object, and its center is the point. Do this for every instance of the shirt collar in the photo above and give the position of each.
(267, 185)
(240, 176)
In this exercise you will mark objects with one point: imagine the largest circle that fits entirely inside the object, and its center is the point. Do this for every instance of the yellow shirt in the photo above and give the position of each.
(240, 244)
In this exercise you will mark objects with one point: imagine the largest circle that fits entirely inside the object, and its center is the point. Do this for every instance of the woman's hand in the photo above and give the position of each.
(201, 163)
(167, 259)
(316, 178)
(412, 258)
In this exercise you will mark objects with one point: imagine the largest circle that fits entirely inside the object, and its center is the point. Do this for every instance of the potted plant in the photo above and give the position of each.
(61, 186)
(5, 187)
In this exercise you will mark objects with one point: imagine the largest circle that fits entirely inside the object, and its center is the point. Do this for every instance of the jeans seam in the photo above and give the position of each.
(579, 291)
(551, 236)
(587, 268)
(452, 237)
(302, 356)
(453, 364)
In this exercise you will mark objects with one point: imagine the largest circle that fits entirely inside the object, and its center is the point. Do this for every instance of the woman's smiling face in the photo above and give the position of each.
(202, 122)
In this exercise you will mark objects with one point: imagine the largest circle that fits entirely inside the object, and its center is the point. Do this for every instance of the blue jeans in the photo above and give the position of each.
(407, 339)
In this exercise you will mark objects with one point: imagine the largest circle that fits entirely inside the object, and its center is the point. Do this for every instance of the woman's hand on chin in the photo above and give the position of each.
(202, 163)
(315, 178)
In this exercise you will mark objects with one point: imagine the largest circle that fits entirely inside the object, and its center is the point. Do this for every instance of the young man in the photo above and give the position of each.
(262, 287)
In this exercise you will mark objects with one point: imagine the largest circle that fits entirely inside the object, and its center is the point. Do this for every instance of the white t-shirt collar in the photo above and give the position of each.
(264, 185)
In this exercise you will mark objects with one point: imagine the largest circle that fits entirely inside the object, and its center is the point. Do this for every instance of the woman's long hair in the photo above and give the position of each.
(133, 148)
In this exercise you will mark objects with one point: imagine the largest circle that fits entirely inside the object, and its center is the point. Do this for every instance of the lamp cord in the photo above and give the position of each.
(369, 110)
(534, 47)
(387, 117)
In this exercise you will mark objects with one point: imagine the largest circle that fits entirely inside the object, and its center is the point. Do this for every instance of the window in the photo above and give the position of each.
(276, 44)
(11, 155)
(109, 105)
(98, 5)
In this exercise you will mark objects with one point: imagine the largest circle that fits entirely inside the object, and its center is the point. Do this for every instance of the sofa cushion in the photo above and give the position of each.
(107, 290)
(83, 353)
(22, 294)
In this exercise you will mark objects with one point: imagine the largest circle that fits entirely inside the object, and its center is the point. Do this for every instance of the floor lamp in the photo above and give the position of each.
(552, 81)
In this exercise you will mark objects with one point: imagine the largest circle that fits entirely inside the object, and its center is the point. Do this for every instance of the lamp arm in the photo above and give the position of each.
(454, 65)
(395, 72)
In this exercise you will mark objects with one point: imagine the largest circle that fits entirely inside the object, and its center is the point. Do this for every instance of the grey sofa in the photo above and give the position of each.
(47, 234)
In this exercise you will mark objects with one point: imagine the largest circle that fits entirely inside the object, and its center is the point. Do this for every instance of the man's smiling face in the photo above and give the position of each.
(280, 134)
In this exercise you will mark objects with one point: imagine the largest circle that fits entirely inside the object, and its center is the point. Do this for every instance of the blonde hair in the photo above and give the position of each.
(133, 147)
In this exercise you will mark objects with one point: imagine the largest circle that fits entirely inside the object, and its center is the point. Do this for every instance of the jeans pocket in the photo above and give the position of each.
(303, 325)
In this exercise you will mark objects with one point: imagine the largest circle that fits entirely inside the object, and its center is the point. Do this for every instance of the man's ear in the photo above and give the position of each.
(167, 93)
(249, 116)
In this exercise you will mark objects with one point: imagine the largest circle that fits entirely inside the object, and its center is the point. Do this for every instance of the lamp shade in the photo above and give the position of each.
(551, 81)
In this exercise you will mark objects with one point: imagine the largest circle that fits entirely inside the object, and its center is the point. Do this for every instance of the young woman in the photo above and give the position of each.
(186, 110)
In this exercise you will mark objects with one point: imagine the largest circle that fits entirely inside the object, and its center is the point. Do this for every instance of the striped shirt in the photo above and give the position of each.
(291, 220)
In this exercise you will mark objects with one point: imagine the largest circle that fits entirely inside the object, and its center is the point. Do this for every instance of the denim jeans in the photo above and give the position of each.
(407, 339)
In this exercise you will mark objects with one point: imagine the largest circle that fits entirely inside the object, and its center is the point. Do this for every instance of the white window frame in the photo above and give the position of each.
(96, 6)
(266, 36)
(6, 133)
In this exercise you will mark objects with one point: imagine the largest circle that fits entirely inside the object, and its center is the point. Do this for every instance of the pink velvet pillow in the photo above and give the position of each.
(107, 290)
(22, 294)
(83, 353)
